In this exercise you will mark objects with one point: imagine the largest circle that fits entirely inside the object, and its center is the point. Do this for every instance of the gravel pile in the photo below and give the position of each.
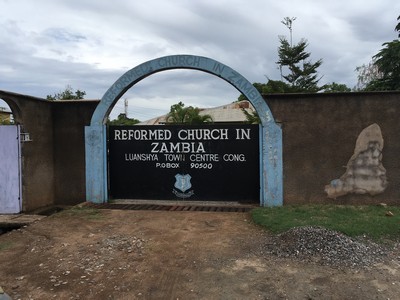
(121, 243)
(326, 247)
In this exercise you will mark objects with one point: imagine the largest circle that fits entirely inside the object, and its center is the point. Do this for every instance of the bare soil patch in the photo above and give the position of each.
(173, 255)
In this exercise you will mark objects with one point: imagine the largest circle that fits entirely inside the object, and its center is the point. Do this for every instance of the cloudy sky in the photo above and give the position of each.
(46, 45)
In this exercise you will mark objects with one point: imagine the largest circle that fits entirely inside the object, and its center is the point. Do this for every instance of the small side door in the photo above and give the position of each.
(10, 170)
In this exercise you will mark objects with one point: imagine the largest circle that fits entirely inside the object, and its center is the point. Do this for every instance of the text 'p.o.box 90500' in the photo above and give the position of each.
(174, 162)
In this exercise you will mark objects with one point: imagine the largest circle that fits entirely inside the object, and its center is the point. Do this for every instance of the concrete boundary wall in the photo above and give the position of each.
(319, 136)
(53, 163)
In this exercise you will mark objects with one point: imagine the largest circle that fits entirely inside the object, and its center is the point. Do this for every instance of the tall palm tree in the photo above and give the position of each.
(179, 114)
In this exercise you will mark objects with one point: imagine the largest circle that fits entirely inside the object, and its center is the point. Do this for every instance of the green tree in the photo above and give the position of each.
(388, 63)
(367, 73)
(335, 87)
(252, 118)
(302, 75)
(276, 87)
(179, 114)
(5, 121)
(67, 94)
(271, 87)
(5, 117)
(298, 73)
(122, 119)
(383, 72)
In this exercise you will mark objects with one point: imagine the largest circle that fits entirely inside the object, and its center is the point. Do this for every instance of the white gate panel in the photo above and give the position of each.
(10, 170)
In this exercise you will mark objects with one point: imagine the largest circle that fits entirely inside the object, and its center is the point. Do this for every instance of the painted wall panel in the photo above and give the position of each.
(10, 191)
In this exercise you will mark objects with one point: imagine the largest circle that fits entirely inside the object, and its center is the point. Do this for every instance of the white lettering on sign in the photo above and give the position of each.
(141, 134)
(204, 157)
(183, 147)
(170, 149)
(140, 157)
(174, 157)
(201, 165)
(167, 165)
(234, 157)
(242, 134)
(203, 134)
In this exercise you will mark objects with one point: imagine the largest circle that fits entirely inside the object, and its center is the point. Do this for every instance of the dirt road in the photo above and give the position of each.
(116, 254)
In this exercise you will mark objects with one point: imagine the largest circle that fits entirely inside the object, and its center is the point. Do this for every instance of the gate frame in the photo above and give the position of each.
(271, 175)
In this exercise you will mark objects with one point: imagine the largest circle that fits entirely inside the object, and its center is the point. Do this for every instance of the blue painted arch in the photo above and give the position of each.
(271, 181)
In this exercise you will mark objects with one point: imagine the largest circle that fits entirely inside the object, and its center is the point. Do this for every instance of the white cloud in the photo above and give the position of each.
(46, 45)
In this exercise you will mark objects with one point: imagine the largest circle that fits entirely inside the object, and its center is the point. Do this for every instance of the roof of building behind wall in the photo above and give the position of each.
(229, 113)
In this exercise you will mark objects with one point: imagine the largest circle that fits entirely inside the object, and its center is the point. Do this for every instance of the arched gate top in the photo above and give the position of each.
(208, 65)
(271, 193)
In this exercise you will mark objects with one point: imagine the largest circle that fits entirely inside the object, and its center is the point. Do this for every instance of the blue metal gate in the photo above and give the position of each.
(10, 170)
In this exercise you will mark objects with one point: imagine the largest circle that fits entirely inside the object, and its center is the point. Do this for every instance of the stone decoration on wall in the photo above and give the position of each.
(364, 171)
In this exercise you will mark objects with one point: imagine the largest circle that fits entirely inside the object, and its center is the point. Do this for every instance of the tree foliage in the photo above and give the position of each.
(5, 121)
(252, 118)
(335, 88)
(298, 73)
(122, 119)
(387, 61)
(179, 114)
(367, 73)
(296, 68)
(383, 72)
(271, 87)
(302, 74)
(67, 94)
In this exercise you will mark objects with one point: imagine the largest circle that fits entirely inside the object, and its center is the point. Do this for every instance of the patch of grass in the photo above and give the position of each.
(82, 211)
(369, 220)
(5, 245)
